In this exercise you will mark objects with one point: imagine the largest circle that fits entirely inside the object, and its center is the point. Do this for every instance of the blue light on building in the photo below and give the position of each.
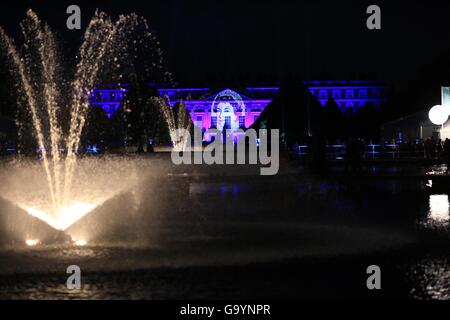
(108, 98)
(241, 107)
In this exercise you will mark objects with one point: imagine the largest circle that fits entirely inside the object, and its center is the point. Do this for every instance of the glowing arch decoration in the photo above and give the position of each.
(227, 103)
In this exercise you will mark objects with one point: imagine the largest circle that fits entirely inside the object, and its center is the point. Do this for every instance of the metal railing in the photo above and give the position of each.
(371, 151)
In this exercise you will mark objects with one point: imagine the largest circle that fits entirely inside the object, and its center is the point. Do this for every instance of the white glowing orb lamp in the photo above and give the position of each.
(438, 114)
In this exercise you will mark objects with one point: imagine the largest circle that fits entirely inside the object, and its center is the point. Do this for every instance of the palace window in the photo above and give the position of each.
(336, 94)
(241, 121)
(199, 121)
(362, 94)
(349, 94)
(323, 94)
(213, 122)
(105, 96)
(376, 93)
(227, 122)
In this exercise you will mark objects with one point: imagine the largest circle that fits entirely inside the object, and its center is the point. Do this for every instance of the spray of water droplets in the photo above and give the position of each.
(110, 51)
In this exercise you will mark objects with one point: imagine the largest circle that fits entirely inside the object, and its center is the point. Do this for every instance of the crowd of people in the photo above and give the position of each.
(354, 150)
(429, 149)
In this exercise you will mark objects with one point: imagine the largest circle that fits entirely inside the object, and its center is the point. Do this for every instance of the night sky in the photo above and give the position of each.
(269, 41)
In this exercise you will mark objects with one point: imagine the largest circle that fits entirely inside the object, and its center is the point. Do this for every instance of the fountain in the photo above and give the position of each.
(107, 51)
(178, 122)
(201, 233)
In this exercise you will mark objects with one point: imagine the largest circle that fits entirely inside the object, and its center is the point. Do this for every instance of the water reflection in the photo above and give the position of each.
(431, 277)
(436, 170)
(438, 214)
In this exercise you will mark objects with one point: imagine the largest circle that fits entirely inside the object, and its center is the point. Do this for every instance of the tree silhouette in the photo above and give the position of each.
(333, 120)
(367, 120)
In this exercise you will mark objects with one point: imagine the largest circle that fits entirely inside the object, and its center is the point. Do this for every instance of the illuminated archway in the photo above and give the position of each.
(227, 107)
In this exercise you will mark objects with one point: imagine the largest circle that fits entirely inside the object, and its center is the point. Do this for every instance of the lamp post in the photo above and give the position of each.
(438, 115)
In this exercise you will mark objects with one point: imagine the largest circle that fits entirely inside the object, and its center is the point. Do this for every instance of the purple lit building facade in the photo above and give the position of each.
(223, 108)
(109, 98)
(349, 94)
(239, 108)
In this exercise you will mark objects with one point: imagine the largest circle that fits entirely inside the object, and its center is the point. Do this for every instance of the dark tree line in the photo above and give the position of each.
(138, 122)
(363, 123)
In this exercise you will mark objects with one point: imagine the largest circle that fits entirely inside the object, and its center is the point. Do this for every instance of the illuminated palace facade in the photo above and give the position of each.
(239, 108)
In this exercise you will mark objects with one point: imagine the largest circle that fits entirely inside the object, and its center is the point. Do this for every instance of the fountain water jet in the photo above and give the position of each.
(178, 122)
(44, 91)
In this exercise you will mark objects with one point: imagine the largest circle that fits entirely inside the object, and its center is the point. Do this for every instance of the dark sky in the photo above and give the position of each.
(250, 41)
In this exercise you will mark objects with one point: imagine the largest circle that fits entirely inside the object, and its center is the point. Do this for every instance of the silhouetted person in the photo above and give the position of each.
(447, 154)
(140, 149)
(353, 155)
(439, 148)
(150, 148)
(349, 154)
(430, 149)
(319, 154)
(294, 151)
